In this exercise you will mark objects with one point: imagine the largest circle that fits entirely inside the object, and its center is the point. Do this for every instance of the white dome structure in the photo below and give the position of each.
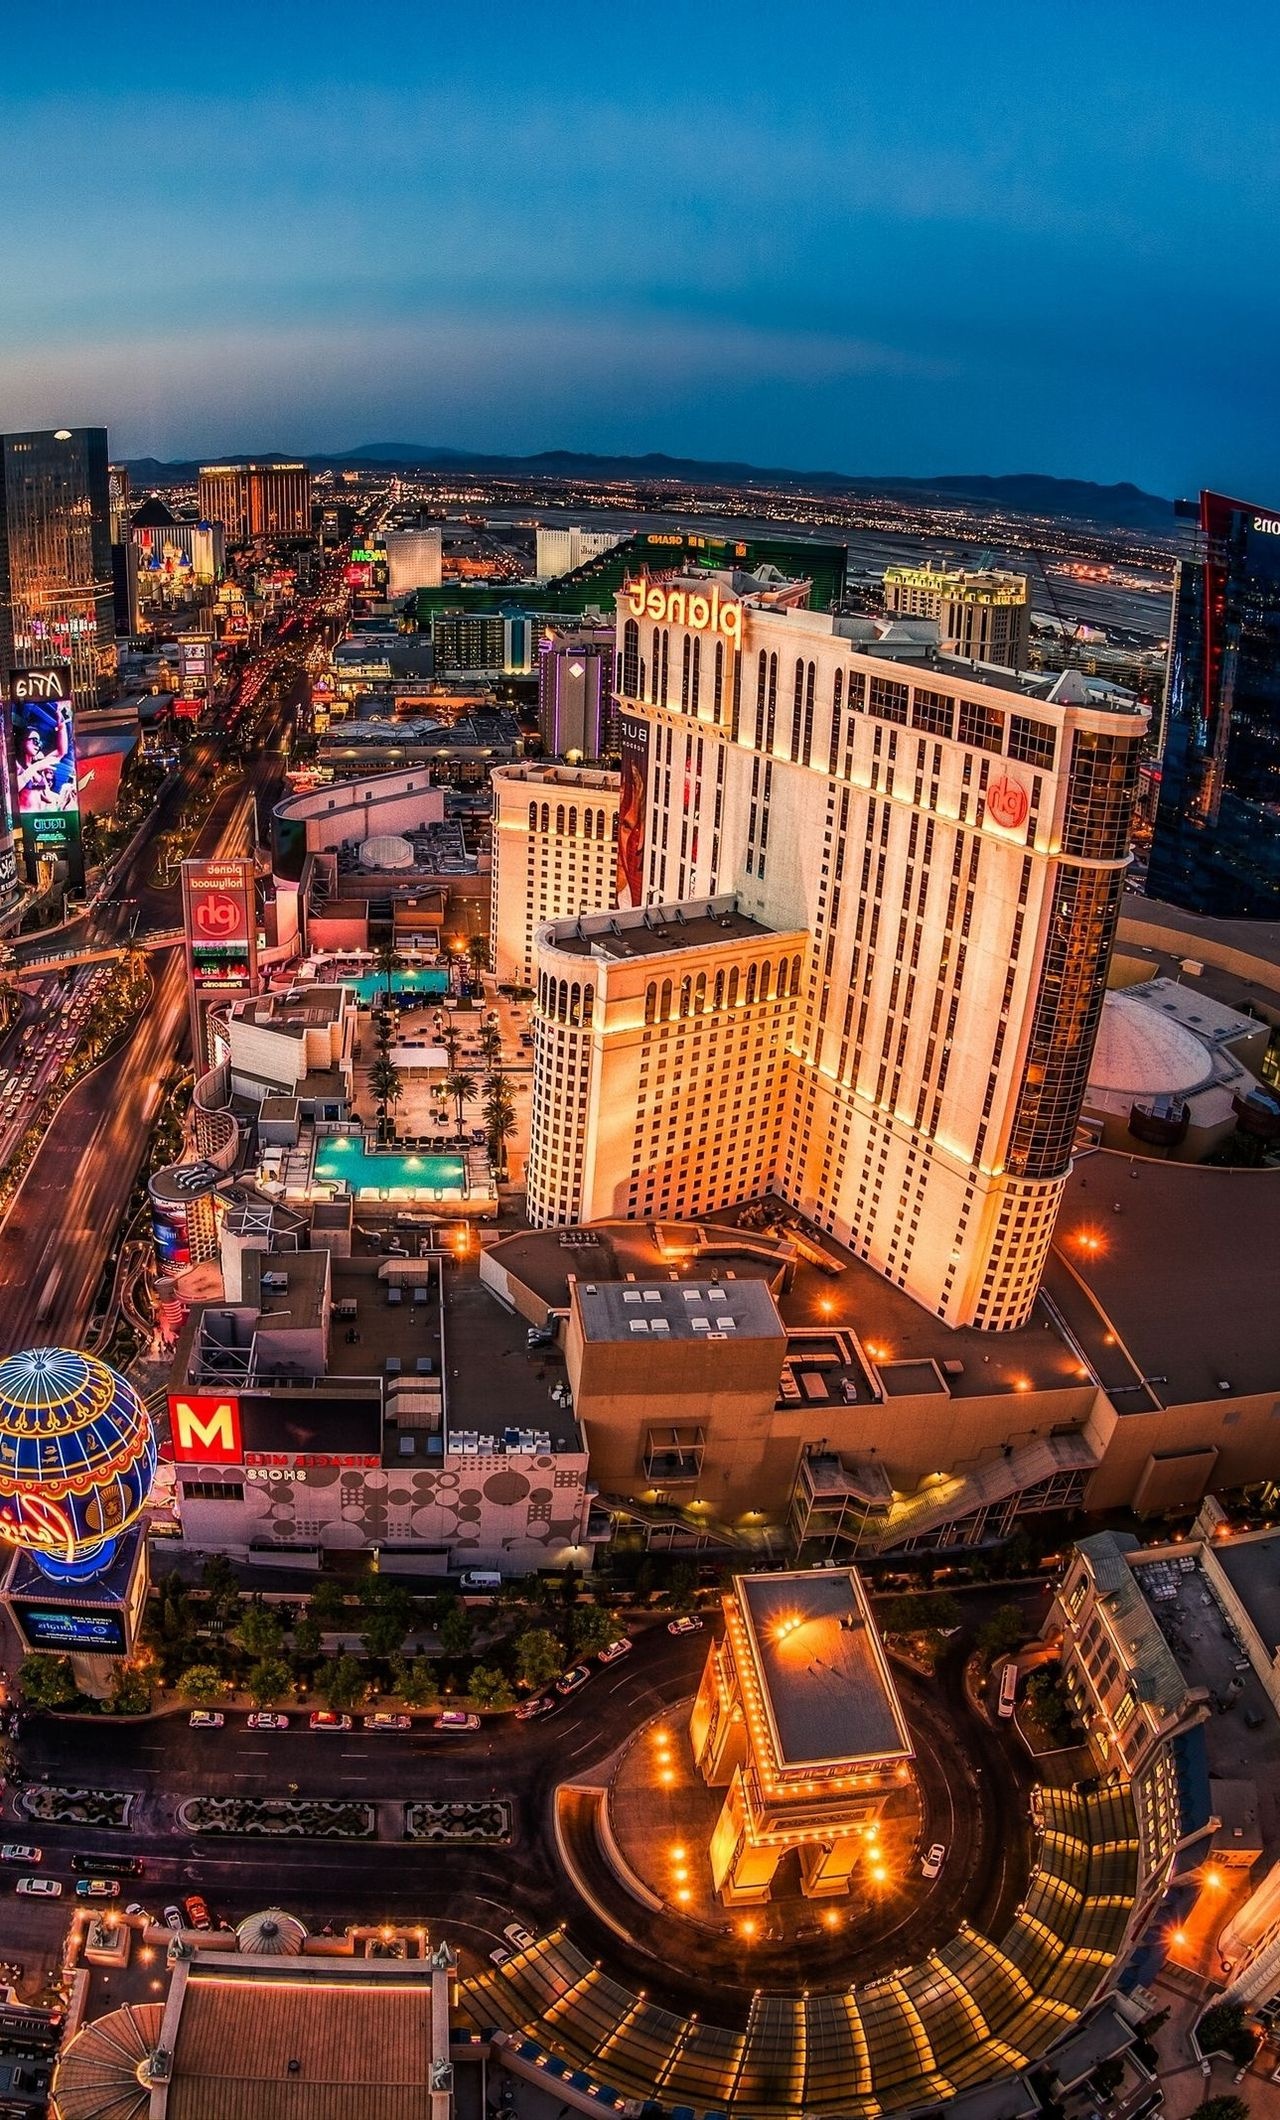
(271, 1934)
(1143, 1053)
(386, 850)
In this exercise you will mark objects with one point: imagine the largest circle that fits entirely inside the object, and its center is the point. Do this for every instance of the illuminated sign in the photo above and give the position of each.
(72, 1628)
(263, 1465)
(685, 607)
(221, 923)
(37, 1524)
(45, 770)
(204, 1430)
(1268, 523)
(633, 747)
(1007, 802)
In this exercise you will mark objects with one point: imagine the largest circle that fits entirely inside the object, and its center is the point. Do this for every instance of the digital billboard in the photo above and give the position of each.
(72, 1629)
(633, 743)
(44, 769)
(195, 675)
(221, 923)
(172, 1232)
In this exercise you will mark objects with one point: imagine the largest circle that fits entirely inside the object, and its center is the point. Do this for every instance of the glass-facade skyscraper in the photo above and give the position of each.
(1216, 844)
(56, 602)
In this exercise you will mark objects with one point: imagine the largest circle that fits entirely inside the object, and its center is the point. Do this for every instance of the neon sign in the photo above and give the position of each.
(686, 607)
(37, 1524)
(205, 1430)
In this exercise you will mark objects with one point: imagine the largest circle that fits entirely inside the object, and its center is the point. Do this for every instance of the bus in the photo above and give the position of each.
(1008, 1689)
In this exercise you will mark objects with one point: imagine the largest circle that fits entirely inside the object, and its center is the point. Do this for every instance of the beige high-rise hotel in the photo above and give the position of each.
(870, 893)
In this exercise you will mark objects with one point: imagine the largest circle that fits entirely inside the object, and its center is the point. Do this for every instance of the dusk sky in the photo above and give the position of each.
(869, 238)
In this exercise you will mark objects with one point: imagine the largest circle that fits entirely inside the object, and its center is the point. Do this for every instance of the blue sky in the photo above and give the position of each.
(867, 237)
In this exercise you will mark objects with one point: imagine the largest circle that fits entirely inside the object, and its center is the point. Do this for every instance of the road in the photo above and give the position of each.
(62, 1225)
(973, 1794)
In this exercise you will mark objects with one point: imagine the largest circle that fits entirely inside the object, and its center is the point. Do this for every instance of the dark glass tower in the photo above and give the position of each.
(1216, 844)
(56, 601)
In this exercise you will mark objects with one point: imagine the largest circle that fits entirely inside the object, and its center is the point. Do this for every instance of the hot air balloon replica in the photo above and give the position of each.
(77, 1463)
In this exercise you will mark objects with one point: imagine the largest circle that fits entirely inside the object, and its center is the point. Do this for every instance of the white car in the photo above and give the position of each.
(456, 1719)
(500, 1956)
(613, 1650)
(386, 1722)
(17, 1851)
(265, 1720)
(689, 1624)
(39, 1887)
(931, 1862)
(518, 1936)
(206, 1719)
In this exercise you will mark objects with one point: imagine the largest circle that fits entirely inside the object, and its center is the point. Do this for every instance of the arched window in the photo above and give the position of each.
(559, 817)
(533, 816)
(573, 818)
(562, 1000)
(761, 675)
(664, 1013)
(575, 1003)
(771, 716)
(717, 998)
(686, 662)
(751, 983)
(588, 1003)
(631, 659)
(700, 995)
(806, 744)
(837, 697)
(546, 817)
(797, 707)
(650, 1002)
(685, 991)
(795, 975)
(666, 645)
(733, 987)
(764, 980)
(717, 695)
(697, 676)
(599, 824)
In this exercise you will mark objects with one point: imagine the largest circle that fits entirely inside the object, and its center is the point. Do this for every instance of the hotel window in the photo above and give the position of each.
(981, 725)
(1032, 742)
(888, 699)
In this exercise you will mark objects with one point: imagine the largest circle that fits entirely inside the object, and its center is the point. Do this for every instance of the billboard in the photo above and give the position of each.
(220, 918)
(204, 1428)
(633, 743)
(172, 1233)
(195, 675)
(44, 769)
(71, 1629)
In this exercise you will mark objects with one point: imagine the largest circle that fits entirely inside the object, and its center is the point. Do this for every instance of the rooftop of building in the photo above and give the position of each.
(557, 776)
(822, 1672)
(1167, 1277)
(682, 1310)
(543, 1260)
(1240, 959)
(1252, 1567)
(1156, 1674)
(288, 1289)
(660, 930)
(293, 1014)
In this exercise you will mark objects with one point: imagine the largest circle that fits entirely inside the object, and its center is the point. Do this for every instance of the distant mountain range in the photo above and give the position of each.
(1122, 506)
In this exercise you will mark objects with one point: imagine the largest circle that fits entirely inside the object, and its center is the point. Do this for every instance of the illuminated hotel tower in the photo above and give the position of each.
(905, 871)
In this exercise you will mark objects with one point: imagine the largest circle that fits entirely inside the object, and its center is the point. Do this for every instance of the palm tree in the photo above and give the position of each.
(491, 1044)
(460, 1085)
(499, 1119)
(387, 959)
(387, 1086)
(478, 952)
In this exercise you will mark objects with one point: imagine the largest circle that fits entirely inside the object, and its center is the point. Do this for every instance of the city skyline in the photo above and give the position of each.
(1023, 254)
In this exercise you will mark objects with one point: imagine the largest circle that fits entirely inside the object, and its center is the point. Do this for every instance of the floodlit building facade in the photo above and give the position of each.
(257, 500)
(797, 1717)
(984, 616)
(914, 868)
(555, 840)
(560, 551)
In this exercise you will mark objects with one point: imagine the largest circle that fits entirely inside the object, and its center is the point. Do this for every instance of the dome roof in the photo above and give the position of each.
(271, 1935)
(97, 2076)
(386, 850)
(1141, 1052)
(77, 1456)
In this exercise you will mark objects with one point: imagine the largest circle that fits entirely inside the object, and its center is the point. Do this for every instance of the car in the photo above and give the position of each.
(577, 1676)
(931, 1862)
(135, 1906)
(688, 1623)
(456, 1719)
(196, 1911)
(613, 1650)
(18, 1851)
(206, 1719)
(518, 1936)
(265, 1719)
(386, 1722)
(97, 1888)
(500, 1956)
(325, 1719)
(541, 1704)
(39, 1887)
(174, 1917)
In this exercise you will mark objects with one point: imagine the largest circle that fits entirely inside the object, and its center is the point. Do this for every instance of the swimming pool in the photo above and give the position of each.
(348, 1159)
(409, 979)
